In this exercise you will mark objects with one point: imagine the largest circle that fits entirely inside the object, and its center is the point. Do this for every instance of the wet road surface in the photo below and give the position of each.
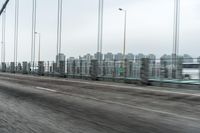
(49, 105)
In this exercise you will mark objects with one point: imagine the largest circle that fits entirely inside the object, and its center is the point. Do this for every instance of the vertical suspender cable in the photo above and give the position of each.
(16, 31)
(101, 39)
(3, 49)
(33, 31)
(176, 32)
(59, 30)
(176, 27)
(60, 38)
(100, 29)
(58, 27)
(98, 34)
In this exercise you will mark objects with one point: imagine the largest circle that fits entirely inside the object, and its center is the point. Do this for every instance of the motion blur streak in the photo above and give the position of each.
(47, 105)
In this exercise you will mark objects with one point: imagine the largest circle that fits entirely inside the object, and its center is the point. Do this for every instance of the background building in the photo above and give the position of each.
(139, 57)
(118, 56)
(98, 56)
(130, 56)
(60, 57)
(109, 57)
(87, 57)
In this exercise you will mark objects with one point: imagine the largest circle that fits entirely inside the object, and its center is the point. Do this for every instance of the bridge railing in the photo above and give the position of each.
(163, 70)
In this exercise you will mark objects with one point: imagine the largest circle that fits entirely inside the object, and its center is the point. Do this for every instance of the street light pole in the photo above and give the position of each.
(125, 26)
(59, 32)
(3, 47)
(33, 34)
(16, 31)
(100, 29)
(176, 36)
(124, 46)
(39, 47)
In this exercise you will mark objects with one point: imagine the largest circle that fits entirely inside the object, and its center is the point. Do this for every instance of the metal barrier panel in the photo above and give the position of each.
(161, 70)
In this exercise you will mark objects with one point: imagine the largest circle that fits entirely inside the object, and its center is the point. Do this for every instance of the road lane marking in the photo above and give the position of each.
(138, 88)
(133, 87)
(122, 104)
(136, 107)
(155, 111)
(46, 89)
(140, 108)
(127, 105)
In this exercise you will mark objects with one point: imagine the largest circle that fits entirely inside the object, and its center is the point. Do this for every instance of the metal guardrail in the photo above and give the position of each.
(162, 70)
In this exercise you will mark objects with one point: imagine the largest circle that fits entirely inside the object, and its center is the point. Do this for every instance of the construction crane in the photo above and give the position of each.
(4, 6)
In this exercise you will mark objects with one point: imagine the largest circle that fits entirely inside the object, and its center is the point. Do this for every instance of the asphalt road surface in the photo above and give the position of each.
(48, 105)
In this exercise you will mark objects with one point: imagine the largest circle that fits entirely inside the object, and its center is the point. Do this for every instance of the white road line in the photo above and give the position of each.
(122, 104)
(135, 88)
(138, 88)
(45, 89)
(127, 105)
(137, 107)
(156, 111)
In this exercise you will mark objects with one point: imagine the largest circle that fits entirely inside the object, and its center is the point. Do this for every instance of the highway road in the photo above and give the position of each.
(31, 104)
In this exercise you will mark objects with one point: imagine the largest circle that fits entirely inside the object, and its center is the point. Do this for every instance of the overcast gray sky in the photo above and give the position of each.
(149, 27)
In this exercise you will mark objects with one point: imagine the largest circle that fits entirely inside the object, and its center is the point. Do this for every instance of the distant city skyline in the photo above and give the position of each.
(149, 27)
(130, 56)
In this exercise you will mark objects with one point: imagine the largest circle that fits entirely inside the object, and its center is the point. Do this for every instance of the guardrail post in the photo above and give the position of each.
(163, 69)
(3, 67)
(41, 68)
(25, 68)
(144, 71)
(19, 68)
(94, 70)
(114, 69)
(48, 68)
(73, 68)
(12, 67)
(81, 68)
(51, 68)
(62, 68)
(55, 68)
(105, 68)
(68, 67)
(199, 70)
(130, 68)
(29, 68)
(125, 68)
(180, 68)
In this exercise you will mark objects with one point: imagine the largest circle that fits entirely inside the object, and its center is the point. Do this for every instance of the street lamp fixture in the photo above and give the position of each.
(120, 9)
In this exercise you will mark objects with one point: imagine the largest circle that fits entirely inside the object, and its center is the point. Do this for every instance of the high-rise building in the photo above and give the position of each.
(119, 56)
(167, 59)
(152, 58)
(130, 56)
(98, 56)
(60, 57)
(109, 57)
(87, 57)
(71, 59)
(139, 57)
